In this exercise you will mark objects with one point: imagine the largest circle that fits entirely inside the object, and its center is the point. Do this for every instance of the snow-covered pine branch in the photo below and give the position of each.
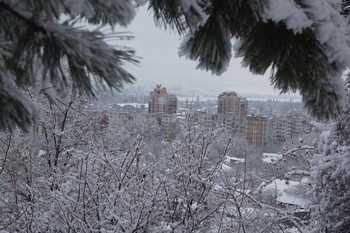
(42, 46)
(304, 43)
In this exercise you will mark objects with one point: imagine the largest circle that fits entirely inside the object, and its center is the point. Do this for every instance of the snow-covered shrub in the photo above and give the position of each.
(331, 176)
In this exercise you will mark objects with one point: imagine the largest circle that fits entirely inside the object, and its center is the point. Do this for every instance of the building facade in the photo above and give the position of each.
(283, 128)
(160, 101)
(230, 102)
(256, 130)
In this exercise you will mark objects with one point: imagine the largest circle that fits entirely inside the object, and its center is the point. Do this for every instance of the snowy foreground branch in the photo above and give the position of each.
(78, 175)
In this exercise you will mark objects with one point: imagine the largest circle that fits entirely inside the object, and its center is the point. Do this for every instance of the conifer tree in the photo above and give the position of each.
(331, 175)
(42, 47)
(304, 43)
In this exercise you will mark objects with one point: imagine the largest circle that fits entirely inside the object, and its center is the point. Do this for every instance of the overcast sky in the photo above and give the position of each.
(160, 63)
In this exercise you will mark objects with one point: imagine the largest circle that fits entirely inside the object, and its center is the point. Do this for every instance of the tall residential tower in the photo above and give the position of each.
(230, 102)
(160, 101)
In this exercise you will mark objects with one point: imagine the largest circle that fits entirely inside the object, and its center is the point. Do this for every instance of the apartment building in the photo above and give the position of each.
(160, 101)
(282, 128)
(256, 130)
(230, 102)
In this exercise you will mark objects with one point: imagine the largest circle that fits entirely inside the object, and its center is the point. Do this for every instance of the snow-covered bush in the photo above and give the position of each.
(73, 174)
(331, 176)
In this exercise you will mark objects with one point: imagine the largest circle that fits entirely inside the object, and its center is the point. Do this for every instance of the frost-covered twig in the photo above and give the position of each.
(293, 152)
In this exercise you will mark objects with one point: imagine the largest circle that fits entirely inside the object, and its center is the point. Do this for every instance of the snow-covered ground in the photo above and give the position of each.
(285, 194)
(271, 157)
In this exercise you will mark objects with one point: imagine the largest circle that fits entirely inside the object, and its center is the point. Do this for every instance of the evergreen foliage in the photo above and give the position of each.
(290, 37)
(41, 46)
(305, 43)
(331, 176)
(345, 7)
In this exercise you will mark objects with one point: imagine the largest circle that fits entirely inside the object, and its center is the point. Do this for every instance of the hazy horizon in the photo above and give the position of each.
(160, 63)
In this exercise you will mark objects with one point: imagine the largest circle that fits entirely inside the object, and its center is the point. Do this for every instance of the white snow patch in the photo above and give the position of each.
(226, 168)
(288, 12)
(271, 157)
(41, 153)
(284, 195)
(230, 159)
